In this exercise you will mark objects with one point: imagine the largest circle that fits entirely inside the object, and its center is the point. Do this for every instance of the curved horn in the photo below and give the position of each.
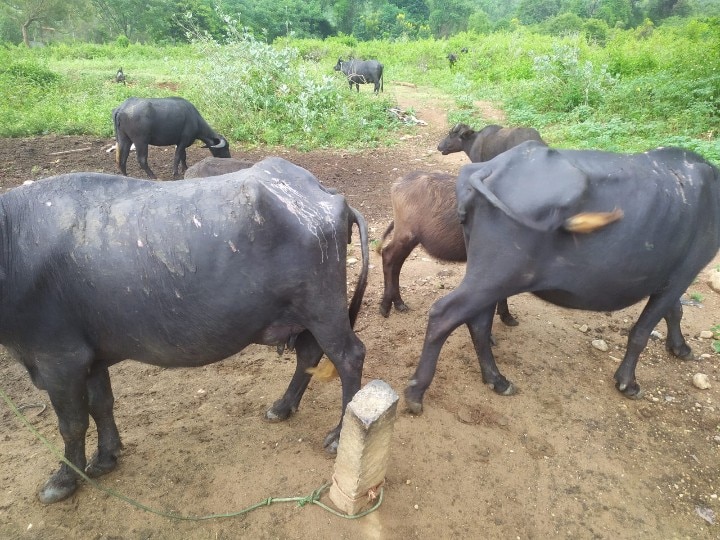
(221, 144)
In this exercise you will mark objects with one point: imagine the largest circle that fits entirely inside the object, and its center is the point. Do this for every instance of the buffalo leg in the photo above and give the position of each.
(394, 256)
(142, 158)
(180, 159)
(675, 342)
(309, 354)
(445, 315)
(100, 401)
(347, 353)
(122, 151)
(480, 329)
(657, 307)
(348, 360)
(68, 395)
(503, 312)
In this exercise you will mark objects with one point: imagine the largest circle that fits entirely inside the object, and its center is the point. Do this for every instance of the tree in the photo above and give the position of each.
(29, 13)
(536, 11)
(448, 17)
(662, 9)
(346, 13)
(120, 15)
(479, 22)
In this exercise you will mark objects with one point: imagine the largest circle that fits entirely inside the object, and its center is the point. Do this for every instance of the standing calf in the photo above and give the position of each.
(425, 213)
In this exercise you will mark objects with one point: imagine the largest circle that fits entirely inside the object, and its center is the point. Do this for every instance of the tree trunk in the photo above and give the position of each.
(26, 39)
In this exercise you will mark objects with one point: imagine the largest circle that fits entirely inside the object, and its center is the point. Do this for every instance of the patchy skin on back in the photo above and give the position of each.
(311, 215)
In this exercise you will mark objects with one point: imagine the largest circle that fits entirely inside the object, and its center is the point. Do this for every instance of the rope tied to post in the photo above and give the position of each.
(313, 498)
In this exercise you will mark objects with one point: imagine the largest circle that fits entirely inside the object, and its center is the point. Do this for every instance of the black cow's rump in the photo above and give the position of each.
(98, 268)
(581, 229)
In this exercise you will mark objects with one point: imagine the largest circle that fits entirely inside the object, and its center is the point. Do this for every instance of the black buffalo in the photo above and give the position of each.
(487, 143)
(99, 268)
(580, 229)
(362, 72)
(212, 166)
(162, 122)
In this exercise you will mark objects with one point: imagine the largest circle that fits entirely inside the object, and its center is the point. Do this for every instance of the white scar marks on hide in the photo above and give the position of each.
(313, 215)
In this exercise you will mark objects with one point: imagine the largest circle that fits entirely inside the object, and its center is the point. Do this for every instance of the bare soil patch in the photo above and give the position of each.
(567, 456)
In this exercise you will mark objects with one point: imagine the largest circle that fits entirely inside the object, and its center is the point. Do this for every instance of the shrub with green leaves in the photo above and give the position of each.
(257, 93)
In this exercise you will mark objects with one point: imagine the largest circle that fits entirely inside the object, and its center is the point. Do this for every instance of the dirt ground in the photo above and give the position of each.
(568, 456)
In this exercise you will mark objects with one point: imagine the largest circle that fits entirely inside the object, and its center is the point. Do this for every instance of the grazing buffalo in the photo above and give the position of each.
(487, 143)
(424, 213)
(100, 268)
(362, 72)
(162, 122)
(580, 229)
(212, 166)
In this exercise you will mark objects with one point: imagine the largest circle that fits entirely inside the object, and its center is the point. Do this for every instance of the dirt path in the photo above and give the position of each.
(565, 457)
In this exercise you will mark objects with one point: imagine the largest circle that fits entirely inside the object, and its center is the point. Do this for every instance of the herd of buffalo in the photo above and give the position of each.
(99, 268)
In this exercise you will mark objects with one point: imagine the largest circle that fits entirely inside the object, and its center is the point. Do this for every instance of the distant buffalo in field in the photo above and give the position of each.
(362, 72)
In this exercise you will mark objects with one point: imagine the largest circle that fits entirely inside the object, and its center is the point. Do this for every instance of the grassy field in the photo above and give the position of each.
(635, 90)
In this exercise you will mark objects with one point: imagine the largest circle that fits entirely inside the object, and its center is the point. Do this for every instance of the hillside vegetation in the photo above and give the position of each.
(627, 90)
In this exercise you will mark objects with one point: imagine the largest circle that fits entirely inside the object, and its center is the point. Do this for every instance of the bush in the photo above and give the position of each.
(260, 94)
(28, 72)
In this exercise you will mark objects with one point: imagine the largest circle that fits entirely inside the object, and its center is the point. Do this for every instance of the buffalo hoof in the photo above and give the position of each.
(278, 412)
(414, 405)
(683, 352)
(503, 387)
(630, 391)
(332, 440)
(98, 467)
(402, 307)
(384, 310)
(508, 320)
(57, 488)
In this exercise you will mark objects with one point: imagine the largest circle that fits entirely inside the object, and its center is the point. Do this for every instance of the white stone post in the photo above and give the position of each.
(364, 447)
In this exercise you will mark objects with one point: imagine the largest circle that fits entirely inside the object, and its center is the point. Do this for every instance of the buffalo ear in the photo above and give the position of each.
(465, 131)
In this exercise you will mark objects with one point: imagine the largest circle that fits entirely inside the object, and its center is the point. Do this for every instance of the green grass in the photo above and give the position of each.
(632, 93)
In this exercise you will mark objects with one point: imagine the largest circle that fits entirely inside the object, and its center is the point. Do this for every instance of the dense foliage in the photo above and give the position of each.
(629, 91)
(163, 21)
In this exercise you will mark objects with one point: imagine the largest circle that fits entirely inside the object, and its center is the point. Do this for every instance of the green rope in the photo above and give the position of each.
(313, 498)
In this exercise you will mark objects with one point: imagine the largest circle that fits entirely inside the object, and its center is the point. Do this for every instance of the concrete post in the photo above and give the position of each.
(364, 447)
